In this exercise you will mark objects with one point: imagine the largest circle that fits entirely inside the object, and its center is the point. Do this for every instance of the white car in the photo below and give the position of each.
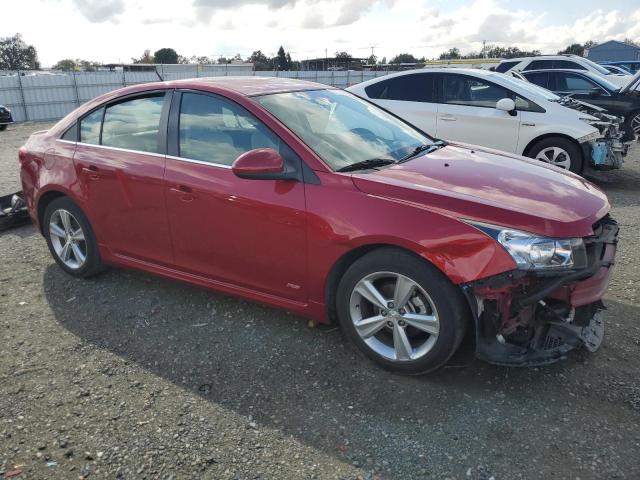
(488, 109)
(565, 62)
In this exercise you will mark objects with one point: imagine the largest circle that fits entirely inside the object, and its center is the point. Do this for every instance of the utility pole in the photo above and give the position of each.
(326, 59)
(484, 49)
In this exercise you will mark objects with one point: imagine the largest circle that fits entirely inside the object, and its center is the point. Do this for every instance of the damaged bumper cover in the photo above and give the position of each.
(526, 318)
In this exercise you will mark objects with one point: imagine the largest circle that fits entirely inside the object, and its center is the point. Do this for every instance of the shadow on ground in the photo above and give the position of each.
(306, 382)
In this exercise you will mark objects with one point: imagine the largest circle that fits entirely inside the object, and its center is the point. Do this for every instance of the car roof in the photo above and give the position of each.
(542, 57)
(250, 85)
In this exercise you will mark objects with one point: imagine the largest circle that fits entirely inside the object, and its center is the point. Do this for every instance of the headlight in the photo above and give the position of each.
(532, 252)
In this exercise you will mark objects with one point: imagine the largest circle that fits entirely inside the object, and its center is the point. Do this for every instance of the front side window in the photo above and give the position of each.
(568, 82)
(341, 128)
(134, 124)
(415, 87)
(217, 131)
(90, 127)
(471, 91)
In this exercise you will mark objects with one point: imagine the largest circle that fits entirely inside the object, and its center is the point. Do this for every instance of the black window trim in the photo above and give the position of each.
(295, 167)
(440, 93)
(162, 131)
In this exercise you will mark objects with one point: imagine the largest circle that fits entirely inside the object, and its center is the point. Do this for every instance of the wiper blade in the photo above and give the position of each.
(365, 164)
(421, 149)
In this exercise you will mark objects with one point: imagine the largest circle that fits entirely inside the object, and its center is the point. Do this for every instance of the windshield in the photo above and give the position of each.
(343, 129)
(596, 67)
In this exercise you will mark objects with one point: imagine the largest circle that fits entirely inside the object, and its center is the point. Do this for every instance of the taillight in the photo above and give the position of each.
(22, 154)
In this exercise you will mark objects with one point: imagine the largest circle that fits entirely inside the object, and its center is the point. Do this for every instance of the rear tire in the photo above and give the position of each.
(70, 238)
(558, 151)
(416, 323)
(3, 127)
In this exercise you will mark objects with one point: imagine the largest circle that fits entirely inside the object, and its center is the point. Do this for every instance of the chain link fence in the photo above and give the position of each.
(46, 97)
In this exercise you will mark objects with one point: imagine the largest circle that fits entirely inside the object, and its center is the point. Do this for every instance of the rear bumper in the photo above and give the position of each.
(524, 319)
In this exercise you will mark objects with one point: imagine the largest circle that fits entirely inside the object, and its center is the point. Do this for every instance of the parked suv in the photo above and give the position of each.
(5, 117)
(489, 109)
(567, 62)
(595, 90)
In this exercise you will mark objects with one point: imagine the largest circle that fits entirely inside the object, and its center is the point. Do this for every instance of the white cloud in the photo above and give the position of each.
(304, 27)
(100, 10)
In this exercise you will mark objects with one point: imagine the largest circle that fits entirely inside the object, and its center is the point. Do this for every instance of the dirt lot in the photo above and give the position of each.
(131, 376)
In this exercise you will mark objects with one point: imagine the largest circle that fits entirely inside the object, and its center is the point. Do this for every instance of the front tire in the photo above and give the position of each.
(70, 238)
(634, 123)
(3, 127)
(558, 151)
(401, 312)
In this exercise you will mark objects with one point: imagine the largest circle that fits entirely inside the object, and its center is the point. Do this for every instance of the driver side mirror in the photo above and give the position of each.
(507, 105)
(594, 93)
(259, 164)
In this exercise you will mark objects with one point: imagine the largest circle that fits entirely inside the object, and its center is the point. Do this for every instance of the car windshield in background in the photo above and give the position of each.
(341, 128)
(598, 68)
(604, 83)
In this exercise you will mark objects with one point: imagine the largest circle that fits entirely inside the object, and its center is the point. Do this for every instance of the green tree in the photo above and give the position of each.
(66, 65)
(451, 54)
(281, 60)
(260, 61)
(15, 54)
(145, 58)
(404, 58)
(166, 56)
(573, 49)
(343, 55)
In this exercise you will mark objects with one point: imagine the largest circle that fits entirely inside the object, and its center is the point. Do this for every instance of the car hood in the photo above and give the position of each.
(488, 186)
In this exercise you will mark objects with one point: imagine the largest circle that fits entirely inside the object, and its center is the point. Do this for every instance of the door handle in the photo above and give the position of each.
(92, 172)
(186, 193)
(448, 118)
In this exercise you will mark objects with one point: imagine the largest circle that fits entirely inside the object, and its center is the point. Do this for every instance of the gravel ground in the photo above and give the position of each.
(130, 376)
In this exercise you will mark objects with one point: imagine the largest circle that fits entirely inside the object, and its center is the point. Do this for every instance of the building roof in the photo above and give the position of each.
(616, 42)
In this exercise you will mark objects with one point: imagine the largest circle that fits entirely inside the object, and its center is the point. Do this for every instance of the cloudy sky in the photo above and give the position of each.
(116, 30)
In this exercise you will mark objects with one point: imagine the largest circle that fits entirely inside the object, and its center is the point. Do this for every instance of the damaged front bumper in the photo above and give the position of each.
(533, 318)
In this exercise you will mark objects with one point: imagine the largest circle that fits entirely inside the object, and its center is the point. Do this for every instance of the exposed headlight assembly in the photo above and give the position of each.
(532, 252)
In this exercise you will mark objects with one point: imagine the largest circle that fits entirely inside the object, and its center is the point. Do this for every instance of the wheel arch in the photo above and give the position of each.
(341, 265)
(544, 136)
(43, 202)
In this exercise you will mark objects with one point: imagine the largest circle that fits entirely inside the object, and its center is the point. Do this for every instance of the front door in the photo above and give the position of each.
(467, 113)
(120, 164)
(248, 233)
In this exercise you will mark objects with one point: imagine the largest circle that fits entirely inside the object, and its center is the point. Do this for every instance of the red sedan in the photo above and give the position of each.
(310, 199)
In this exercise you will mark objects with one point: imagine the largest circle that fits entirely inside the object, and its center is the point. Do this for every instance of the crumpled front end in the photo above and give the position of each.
(608, 151)
(528, 318)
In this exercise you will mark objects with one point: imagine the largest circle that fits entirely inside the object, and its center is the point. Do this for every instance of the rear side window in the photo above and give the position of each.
(568, 64)
(134, 124)
(90, 127)
(217, 131)
(417, 87)
(506, 66)
(539, 65)
(541, 79)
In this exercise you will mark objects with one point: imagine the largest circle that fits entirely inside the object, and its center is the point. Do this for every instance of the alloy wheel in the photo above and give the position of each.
(394, 316)
(555, 156)
(67, 238)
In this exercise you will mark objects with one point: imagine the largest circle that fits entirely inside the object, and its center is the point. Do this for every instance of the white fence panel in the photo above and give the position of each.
(50, 97)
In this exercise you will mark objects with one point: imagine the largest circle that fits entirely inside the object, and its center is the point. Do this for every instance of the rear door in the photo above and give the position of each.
(120, 160)
(467, 113)
(248, 233)
(411, 97)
